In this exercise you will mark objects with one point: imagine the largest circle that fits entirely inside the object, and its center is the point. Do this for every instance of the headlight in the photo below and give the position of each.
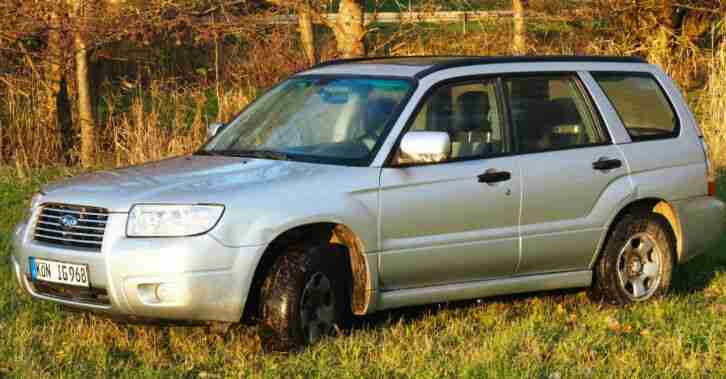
(147, 220)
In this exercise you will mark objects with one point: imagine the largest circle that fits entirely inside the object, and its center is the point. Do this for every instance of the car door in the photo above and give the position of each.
(456, 220)
(568, 162)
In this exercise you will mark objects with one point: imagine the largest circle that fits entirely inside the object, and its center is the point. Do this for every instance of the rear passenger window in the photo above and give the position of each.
(641, 104)
(549, 113)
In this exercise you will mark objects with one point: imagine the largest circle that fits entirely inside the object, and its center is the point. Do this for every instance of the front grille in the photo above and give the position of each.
(71, 226)
(94, 296)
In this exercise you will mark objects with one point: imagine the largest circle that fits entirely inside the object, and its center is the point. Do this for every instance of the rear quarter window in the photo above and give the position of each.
(641, 104)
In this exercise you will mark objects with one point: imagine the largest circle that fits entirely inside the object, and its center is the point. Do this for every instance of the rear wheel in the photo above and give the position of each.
(305, 297)
(637, 261)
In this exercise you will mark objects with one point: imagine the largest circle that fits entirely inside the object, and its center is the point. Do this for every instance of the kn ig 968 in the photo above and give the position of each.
(371, 184)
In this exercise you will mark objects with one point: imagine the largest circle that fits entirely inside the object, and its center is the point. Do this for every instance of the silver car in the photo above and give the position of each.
(371, 184)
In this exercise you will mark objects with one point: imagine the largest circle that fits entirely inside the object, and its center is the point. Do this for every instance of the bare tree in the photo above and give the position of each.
(307, 32)
(85, 111)
(518, 39)
(349, 28)
(306, 26)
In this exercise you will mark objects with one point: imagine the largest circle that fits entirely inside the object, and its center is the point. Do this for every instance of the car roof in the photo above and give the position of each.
(420, 66)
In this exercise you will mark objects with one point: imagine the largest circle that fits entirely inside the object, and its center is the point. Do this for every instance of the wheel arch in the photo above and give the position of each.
(332, 232)
(651, 204)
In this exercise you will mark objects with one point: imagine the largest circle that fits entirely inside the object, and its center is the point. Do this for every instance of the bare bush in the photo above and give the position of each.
(160, 71)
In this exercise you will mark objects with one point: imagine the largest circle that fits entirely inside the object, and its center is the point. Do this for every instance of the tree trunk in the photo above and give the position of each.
(53, 78)
(307, 34)
(518, 39)
(350, 29)
(85, 111)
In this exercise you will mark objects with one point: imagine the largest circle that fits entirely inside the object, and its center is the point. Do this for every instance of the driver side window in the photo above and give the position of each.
(469, 113)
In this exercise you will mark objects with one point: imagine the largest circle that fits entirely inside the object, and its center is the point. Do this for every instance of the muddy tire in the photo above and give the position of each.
(305, 297)
(637, 261)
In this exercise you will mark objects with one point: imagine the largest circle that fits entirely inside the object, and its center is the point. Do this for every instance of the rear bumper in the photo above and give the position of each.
(202, 280)
(703, 223)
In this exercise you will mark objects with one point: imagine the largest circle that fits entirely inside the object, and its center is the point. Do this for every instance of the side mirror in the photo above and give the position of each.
(213, 129)
(424, 147)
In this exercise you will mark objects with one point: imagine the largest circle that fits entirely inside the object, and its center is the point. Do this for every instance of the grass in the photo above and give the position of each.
(547, 335)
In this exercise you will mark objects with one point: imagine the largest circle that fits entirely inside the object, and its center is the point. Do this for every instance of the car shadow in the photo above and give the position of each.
(698, 273)
(419, 312)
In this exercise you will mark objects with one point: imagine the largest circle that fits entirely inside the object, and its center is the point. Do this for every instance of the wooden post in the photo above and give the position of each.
(518, 39)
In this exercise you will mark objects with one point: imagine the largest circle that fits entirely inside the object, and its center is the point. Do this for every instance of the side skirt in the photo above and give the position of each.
(473, 290)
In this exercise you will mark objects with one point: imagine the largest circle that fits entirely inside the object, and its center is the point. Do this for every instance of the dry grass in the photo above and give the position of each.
(158, 112)
(158, 123)
(712, 108)
(678, 56)
(162, 118)
(143, 135)
(25, 141)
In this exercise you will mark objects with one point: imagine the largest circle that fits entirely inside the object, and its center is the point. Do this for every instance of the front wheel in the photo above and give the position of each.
(637, 261)
(305, 297)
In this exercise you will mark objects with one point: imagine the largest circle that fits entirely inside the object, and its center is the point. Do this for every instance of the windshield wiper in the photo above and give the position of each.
(263, 154)
(207, 153)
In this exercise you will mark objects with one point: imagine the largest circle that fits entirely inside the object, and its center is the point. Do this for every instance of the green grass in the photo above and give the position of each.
(548, 335)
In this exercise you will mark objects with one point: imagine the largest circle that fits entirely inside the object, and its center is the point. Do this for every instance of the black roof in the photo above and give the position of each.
(437, 63)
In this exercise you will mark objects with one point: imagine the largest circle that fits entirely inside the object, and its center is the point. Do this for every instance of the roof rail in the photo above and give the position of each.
(470, 61)
(462, 60)
(334, 62)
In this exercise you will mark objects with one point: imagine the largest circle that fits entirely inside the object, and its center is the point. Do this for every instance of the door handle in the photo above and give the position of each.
(604, 164)
(493, 176)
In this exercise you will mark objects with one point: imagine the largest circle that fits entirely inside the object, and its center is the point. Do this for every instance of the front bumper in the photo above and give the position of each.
(202, 279)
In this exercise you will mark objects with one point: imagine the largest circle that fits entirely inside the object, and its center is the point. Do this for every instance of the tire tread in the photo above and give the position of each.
(282, 288)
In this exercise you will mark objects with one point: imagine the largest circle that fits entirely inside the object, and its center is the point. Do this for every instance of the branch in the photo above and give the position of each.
(304, 6)
(699, 9)
(324, 20)
(13, 87)
(215, 8)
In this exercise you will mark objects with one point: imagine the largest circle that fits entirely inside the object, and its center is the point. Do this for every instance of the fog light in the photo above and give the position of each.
(167, 293)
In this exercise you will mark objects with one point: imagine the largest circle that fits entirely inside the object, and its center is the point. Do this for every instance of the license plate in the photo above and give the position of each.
(59, 272)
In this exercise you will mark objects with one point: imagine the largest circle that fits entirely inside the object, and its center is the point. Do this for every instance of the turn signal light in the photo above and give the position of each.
(710, 177)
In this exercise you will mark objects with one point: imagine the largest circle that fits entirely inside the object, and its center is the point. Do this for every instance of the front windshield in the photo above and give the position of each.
(338, 120)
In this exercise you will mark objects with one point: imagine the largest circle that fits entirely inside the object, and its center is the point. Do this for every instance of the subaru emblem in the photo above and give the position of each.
(68, 222)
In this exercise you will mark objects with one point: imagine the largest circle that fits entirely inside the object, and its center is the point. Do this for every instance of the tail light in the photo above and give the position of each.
(710, 177)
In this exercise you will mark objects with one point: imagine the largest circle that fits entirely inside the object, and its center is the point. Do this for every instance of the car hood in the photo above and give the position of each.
(182, 180)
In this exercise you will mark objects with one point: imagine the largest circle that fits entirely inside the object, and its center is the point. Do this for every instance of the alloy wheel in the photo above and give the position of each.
(639, 267)
(317, 308)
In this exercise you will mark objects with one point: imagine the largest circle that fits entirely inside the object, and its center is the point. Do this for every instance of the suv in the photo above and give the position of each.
(371, 184)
